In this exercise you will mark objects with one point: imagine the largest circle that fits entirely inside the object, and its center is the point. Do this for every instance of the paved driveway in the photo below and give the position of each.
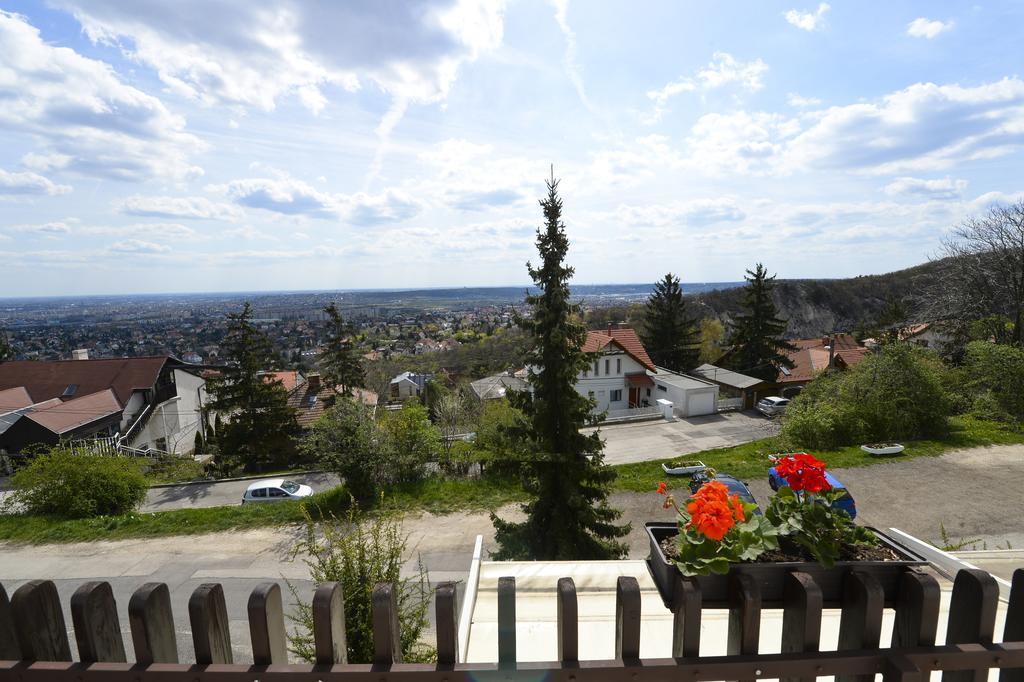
(645, 441)
(220, 493)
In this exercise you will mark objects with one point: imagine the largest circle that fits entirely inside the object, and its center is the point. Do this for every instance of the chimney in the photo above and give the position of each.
(825, 341)
(80, 354)
(313, 383)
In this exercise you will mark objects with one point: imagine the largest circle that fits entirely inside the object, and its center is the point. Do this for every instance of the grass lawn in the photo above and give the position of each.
(446, 496)
(750, 460)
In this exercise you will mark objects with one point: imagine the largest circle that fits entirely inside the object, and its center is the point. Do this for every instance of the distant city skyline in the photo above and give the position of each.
(229, 146)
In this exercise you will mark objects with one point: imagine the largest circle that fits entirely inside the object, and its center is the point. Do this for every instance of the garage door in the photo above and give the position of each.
(700, 403)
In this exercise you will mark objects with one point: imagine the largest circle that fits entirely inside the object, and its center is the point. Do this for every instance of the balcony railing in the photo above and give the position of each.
(34, 643)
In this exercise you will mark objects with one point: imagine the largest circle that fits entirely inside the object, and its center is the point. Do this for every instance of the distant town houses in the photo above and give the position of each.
(408, 385)
(311, 397)
(130, 404)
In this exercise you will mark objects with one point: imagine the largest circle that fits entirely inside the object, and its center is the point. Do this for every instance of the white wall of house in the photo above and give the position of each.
(609, 376)
(406, 389)
(173, 424)
(690, 397)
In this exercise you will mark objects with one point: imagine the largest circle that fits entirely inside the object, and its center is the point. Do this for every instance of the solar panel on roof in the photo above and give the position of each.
(69, 391)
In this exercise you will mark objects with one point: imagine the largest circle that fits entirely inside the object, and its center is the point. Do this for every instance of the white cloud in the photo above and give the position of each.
(941, 188)
(289, 196)
(475, 177)
(138, 246)
(195, 208)
(88, 120)
(722, 70)
(239, 52)
(29, 183)
(922, 128)
(795, 100)
(927, 28)
(572, 67)
(808, 21)
(51, 229)
(679, 214)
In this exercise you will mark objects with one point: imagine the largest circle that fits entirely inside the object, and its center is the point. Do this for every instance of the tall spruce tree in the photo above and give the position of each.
(6, 352)
(757, 332)
(341, 363)
(564, 474)
(258, 424)
(670, 334)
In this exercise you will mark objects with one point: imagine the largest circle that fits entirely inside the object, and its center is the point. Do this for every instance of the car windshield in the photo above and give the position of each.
(290, 487)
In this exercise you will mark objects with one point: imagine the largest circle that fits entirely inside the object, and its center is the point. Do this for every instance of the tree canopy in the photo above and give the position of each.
(757, 332)
(564, 474)
(670, 333)
(340, 360)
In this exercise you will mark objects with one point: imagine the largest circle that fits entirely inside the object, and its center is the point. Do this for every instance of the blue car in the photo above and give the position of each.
(845, 503)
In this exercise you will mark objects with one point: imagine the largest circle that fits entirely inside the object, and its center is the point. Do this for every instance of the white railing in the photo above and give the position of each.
(633, 413)
(730, 404)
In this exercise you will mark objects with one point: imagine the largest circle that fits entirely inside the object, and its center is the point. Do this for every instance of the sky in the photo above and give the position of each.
(230, 145)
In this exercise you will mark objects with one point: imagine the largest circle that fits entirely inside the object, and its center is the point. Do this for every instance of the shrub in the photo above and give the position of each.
(61, 483)
(347, 441)
(994, 376)
(357, 554)
(896, 393)
(410, 441)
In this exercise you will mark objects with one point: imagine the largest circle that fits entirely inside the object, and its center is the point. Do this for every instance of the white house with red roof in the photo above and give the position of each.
(623, 377)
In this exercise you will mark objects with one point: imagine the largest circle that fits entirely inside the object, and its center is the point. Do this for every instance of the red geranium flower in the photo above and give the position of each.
(803, 471)
(661, 487)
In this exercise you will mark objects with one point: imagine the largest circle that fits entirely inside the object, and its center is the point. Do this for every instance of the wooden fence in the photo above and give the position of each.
(34, 644)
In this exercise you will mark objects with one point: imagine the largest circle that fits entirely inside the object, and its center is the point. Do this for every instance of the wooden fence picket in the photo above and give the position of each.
(97, 627)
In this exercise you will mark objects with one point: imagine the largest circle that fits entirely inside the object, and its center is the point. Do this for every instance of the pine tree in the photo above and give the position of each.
(341, 364)
(258, 424)
(568, 516)
(6, 352)
(669, 334)
(757, 332)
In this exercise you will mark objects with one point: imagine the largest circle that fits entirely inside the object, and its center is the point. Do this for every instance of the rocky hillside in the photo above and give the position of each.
(818, 306)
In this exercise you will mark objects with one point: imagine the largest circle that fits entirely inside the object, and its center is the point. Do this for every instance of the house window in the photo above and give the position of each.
(585, 374)
(662, 388)
(607, 366)
(618, 365)
(616, 395)
(590, 395)
(597, 367)
(648, 393)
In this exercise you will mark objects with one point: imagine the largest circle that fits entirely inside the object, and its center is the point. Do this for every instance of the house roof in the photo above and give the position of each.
(290, 379)
(667, 376)
(812, 355)
(61, 417)
(623, 337)
(310, 404)
(45, 380)
(493, 387)
(14, 398)
(726, 377)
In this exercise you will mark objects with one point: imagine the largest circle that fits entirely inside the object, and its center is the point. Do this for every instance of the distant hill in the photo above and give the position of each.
(818, 306)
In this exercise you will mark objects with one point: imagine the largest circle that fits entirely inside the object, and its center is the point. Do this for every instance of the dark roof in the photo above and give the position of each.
(45, 380)
(68, 416)
(726, 377)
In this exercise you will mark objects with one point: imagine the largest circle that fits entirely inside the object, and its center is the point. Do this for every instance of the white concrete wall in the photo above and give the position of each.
(619, 365)
(176, 420)
(680, 397)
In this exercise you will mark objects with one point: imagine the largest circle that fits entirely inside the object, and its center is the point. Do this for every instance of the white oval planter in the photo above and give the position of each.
(889, 450)
(688, 470)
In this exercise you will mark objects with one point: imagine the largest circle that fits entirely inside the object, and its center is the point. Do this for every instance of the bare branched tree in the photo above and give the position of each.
(984, 274)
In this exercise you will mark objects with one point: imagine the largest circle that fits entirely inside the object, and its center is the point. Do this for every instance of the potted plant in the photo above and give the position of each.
(882, 448)
(683, 467)
(716, 535)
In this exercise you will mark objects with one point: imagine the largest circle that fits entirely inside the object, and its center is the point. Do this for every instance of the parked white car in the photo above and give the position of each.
(772, 406)
(275, 490)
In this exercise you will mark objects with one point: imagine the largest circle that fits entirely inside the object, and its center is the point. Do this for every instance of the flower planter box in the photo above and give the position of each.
(771, 576)
(686, 468)
(893, 449)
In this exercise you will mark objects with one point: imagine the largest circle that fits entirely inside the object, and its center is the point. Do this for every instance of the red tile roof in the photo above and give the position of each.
(45, 380)
(290, 379)
(811, 357)
(625, 338)
(67, 416)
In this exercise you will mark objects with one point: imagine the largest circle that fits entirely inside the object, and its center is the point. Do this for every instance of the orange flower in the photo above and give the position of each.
(737, 508)
(661, 487)
(712, 490)
(713, 519)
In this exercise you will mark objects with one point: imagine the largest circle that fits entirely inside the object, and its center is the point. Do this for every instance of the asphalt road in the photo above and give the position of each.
(651, 440)
(220, 493)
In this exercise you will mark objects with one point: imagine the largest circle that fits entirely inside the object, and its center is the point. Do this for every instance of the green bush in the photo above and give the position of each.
(895, 394)
(348, 442)
(59, 483)
(357, 554)
(993, 375)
